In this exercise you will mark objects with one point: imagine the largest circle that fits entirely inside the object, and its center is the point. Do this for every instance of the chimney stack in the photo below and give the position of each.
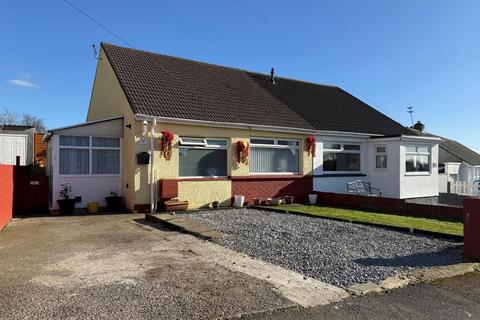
(419, 126)
(272, 76)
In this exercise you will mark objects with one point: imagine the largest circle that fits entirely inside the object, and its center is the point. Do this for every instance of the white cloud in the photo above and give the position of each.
(23, 83)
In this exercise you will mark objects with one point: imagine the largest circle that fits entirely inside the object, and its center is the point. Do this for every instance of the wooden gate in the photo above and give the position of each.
(30, 190)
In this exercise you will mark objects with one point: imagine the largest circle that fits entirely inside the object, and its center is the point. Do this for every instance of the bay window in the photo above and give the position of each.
(201, 157)
(269, 155)
(89, 155)
(340, 157)
(417, 159)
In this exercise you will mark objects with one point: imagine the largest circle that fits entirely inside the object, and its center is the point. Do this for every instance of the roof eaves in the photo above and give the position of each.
(139, 116)
(84, 124)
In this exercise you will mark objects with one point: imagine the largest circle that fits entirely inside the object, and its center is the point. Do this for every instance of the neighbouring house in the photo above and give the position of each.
(212, 113)
(450, 151)
(452, 156)
(17, 141)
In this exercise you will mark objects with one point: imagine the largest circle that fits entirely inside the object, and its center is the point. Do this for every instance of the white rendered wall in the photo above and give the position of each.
(394, 181)
(387, 180)
(90, 188)
(321, 181)
(417, 185)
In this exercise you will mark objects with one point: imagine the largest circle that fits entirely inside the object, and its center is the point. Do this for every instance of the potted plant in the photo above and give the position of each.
(288, 199)
(238, 200)
(243, 151)
(311, 146)
(114, 201)
(312, 198)
(65, 204)
(166, 142)
(276, 201)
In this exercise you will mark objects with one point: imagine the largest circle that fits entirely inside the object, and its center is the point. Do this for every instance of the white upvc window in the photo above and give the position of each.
(381, 157)
(341, 157)
(203, 157)
(82, 155)
(274, 156)
(417, 159)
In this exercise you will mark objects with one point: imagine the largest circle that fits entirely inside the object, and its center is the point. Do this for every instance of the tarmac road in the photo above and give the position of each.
(448, 299)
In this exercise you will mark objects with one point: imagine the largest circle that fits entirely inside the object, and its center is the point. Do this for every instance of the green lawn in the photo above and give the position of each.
(426, 224)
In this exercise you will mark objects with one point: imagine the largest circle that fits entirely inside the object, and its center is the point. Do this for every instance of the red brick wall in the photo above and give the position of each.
(6, 194)
(390, 205)
(264, 187)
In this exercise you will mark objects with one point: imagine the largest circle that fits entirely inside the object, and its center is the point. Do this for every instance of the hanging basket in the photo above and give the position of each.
(243, 151)
(166, 142)
(311, 145)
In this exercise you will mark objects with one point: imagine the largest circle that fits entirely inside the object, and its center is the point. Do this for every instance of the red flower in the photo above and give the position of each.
(243, 151)
(166, 144)
(311, 145)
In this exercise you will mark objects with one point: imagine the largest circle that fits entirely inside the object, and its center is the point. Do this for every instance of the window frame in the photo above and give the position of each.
(275, 145)
(90, 149)
(342, 150)
(376, 153)
(206, 146)
(428, 153)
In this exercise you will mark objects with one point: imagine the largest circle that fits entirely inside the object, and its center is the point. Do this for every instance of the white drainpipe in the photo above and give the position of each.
(152, 165)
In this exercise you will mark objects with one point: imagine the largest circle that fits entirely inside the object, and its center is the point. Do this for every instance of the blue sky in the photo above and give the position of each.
(424, 54)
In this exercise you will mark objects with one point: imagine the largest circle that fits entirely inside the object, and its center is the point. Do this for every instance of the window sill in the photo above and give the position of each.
(71, 175)
(203, 179)
(416, 174)
(269, 176)
(333, 175)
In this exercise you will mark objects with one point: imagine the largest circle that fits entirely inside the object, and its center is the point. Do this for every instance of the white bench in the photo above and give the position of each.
(363, 188)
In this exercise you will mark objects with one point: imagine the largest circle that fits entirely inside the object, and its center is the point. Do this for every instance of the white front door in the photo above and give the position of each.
(11, 146)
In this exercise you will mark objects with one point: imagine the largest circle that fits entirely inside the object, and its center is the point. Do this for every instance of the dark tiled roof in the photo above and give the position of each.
(451, 150)
(459, 150)
(172, 87)
(329, 108)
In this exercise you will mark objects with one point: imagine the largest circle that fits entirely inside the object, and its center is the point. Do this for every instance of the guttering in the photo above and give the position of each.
(47, 136)
(346, 134)
(408, 138)
(205, 123)
(140, 117)
(85, 124)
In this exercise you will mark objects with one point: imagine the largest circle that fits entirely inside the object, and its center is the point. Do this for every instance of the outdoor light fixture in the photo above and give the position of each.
(129, 126)
(144, 127)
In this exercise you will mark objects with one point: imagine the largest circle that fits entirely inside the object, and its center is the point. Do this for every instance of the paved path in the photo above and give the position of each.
(456, 298)
(190, 226)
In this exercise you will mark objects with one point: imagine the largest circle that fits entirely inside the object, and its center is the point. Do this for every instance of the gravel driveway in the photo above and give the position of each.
(335, 252)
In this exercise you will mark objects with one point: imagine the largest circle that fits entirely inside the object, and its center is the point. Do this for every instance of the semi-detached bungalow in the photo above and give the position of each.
(209, 108)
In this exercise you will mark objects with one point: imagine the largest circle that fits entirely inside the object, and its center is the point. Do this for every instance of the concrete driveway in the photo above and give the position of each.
(118, 267)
